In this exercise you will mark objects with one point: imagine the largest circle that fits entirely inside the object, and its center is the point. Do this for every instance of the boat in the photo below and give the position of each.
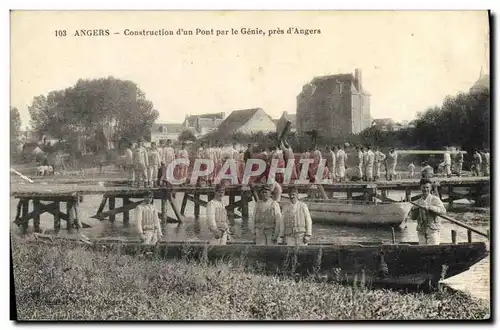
(358, 213)
(402, 264)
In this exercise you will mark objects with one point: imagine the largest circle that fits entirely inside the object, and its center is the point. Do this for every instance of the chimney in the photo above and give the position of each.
(358, 78)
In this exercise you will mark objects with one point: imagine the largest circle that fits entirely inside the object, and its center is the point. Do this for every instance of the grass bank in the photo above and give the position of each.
(55, 283)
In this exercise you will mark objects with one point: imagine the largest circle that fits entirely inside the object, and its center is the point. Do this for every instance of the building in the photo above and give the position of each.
(166, 131)
(280, 125)
(247, 122)
(205, 123)
(334, 105)
(482, 84)
(384, 124)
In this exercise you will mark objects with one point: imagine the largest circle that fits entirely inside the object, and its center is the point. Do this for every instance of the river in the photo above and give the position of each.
(476, 281)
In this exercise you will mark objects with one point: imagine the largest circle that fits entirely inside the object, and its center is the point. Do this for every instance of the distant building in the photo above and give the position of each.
(482, 84)
(334, 105)
(247, 122)
(384, 124)
(280, 125)
(166, 131)
(205, 123)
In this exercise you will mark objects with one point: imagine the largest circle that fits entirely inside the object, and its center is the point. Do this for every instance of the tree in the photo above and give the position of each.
(15, 131)
(186, 135)
(100, 111)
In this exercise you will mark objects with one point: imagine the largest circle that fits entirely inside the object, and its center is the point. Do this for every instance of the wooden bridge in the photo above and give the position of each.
(72, 192)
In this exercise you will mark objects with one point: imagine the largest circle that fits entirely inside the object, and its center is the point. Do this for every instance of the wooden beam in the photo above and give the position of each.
(111, 207)
(116, 211)
(171, 199)
(25, 218)
(163, 212)
(103, 204)
(126, 213)
(69, 222)
(197, 202)
(36, 215)
(184, 204)
(57, 217)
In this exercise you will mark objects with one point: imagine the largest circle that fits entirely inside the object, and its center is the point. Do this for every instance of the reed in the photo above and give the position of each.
(54, 283)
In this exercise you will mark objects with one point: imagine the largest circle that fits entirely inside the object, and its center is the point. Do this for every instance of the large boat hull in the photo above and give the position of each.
(371, 263)
(357, 213)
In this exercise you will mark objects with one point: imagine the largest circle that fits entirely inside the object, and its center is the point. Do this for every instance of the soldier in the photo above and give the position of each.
(297, 221)
(341, 163)
(460, 162)
(141, 163)
(379, 160)
(330, 163)
(168, 158)
(369, 160)
(392, 160)
(147, 221)
(161, 169)
(217, 220)
(447, 162)
(411, 170)
(129, 163)
(359, 163)
(268, 223)
(486, 162)
(182, 168)
(154, 163)
(428, 223)
(477, 161)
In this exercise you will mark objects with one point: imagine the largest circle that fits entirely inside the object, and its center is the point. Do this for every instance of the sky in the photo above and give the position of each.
(409, 60)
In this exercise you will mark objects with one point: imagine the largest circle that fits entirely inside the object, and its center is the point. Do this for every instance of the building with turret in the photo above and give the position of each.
(334, 105)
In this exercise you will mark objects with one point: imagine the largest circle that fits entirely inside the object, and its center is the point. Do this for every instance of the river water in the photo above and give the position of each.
(476, 281)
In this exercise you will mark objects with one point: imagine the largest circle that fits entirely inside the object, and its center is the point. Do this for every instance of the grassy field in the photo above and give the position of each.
(53, 283)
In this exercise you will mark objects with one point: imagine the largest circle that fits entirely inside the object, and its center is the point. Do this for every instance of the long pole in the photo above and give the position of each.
(455, 221)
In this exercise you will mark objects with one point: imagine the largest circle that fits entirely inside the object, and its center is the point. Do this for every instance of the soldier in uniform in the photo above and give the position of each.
(268, 223)
(297, 221)
(147, 221)
(217, 220)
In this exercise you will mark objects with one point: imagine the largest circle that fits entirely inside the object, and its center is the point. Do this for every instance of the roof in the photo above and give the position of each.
(192, 119)
(237, 119)
(383, 121)
(210, 123)
(482, 83)
(171, 127)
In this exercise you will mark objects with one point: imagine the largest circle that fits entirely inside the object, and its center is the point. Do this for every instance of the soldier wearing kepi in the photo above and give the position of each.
(154, 163)
(297, 221)
(141, 162)
(217, 220)
(268, 223)
(147, 221)
(428, 223)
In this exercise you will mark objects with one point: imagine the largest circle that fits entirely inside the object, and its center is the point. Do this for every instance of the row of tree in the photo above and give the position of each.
(94, 112)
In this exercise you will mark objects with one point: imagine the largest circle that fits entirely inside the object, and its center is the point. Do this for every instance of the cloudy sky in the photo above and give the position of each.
(409, 60)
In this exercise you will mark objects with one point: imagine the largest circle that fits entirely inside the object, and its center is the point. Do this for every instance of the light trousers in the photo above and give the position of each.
(296, 239)
(264, 237)
(430, 237)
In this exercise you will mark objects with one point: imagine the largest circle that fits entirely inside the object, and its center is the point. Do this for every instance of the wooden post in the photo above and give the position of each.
(76, 217)
(196, 205)
(453, 236)
(126, 214)
(408, 195)
(26, 207)
(69, 222)
(57, 217)
(349, 194)
(184, 203)
(469, 236)
(488, 232)
(36, 216)
(111, 207)
(245, 198)
(171, 199)
(393, 235)
(232, 200)
(450, 195)
(163, 210)
(384, 193)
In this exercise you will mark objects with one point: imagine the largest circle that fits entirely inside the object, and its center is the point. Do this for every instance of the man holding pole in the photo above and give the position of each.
(428, 223)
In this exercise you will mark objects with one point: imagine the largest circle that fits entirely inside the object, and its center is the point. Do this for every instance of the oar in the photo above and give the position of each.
(455, 221)
(24, 177)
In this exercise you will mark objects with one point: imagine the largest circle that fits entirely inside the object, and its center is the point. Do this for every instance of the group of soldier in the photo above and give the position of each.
(272, 223)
